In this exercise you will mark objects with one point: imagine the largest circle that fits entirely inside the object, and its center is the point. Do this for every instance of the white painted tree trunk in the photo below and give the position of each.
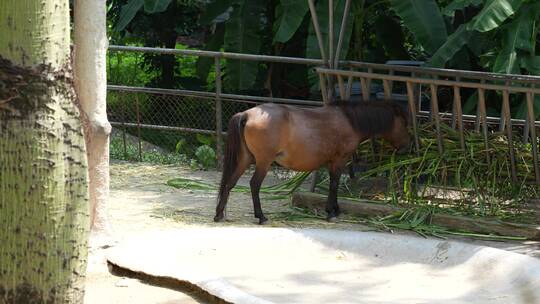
(43, 168)
(91, 85)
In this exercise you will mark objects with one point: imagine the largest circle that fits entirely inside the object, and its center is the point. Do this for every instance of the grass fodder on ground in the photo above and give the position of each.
(474, 181)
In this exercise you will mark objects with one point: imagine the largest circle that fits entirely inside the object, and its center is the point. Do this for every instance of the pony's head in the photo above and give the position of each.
(398, 135)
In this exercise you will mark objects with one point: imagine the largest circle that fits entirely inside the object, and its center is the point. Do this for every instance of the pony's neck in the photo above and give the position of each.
(370, 118)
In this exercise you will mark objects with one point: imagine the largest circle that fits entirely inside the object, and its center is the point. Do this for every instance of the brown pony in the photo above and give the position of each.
(305, 139)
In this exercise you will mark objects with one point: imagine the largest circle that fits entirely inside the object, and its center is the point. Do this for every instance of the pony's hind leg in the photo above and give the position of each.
(255, 184)
(243, 164)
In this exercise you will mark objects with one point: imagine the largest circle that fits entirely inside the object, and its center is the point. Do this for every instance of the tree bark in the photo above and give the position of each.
(43, 170)
(91, 85)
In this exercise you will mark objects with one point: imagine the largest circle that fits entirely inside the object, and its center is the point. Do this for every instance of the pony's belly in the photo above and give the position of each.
(298, 163)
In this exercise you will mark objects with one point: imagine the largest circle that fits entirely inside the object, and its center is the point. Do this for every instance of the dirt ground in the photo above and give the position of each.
(142, 201)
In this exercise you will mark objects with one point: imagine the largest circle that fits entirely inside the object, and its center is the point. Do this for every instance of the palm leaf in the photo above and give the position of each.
(531, 64)
(493, 14)
(452, 45)
(457, 5)
(156, 6)
(242, 35)
(214, 9)
(390, 34)
(213, 44)
(128, 12)
(423, 18)
(522, 108)
(291, 15)
(516, 36)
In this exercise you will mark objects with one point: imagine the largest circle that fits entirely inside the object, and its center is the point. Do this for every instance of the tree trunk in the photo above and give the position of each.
(43, 172)
(91, 85)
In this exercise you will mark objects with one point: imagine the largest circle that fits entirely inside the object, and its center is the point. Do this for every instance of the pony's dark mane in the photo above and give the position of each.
(371, 117)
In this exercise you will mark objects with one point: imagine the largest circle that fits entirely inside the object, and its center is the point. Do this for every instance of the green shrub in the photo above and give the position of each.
(206, 156)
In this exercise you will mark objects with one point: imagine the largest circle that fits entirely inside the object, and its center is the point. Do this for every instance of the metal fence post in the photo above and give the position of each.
(138, 127)
(219, 113)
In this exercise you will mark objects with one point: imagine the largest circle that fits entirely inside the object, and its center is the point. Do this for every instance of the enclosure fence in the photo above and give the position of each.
(136, 110)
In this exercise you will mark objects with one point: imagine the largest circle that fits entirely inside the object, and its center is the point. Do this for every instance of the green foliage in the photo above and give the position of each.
(213, 10)
(205, 139)
(128, 12)
(493, 14)
(312, 47)
(532, 64)
(238, 30)
(388, 32)
(286, 187)
(495, 35)
(131, 153)
(459, 5)
(155, 6)
(454, 43)
(290, 16)
(180, 146)
(518, 36)
(206, 156)
(312, 44)
(484, 189)
(424, 20)
(214, 43)
(156, 23)
(131, 9)
(242, 35)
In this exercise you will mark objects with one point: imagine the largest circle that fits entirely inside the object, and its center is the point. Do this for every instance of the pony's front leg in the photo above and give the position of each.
(332, 208)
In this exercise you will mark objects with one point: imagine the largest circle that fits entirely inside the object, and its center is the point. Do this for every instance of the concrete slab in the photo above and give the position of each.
(277, 265)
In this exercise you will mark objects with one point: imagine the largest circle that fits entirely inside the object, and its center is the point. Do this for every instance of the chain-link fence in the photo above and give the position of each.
(174, 120)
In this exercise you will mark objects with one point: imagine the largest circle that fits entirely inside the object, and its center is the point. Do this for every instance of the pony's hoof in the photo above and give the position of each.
(262, 220)
(332, 218)
(219, 218)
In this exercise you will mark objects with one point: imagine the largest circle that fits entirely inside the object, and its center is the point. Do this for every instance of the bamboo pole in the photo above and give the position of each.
(331, 33)
(317, 29)
(477, 122)
(365, 89)
(459, 116)
(412, 110)
(349, 87)
(508, 127)
(483, 120)
(342, 93)
(435, 116)
(342, 30)
(526, 130)
(534, 140)
(387, 89)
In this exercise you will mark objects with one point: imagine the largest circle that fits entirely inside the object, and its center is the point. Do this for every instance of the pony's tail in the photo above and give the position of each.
(233, 148)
